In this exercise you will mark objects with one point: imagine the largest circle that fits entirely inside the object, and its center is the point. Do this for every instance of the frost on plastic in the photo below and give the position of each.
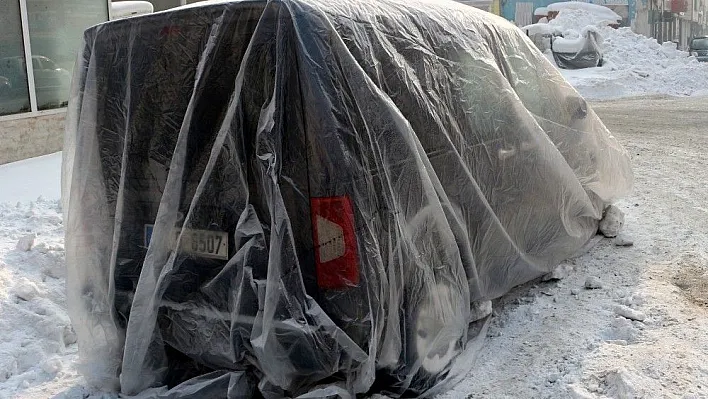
(308, 199)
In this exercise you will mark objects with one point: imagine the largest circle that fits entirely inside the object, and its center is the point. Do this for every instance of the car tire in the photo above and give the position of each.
(435, 333)
(436, 303)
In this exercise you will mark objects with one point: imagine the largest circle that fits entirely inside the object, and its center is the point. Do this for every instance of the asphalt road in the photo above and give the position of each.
(669, 120)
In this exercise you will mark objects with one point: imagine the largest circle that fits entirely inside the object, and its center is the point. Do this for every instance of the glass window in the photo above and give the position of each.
(14, 94)
(56, 30)
(35, 64)
(699, 44)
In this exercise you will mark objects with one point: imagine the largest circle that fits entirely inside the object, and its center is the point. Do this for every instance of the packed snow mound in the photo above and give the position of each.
(626, 49)
(575, 20)
(637, 65)
(37, 342)
(601, 13)
(574, 17)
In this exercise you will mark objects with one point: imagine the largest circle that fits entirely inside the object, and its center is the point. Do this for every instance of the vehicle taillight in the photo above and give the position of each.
(335, 242)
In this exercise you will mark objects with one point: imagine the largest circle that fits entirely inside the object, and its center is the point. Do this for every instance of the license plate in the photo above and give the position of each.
(202, 243)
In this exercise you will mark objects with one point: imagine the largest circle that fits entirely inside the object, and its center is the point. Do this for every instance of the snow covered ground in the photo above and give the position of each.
(634, 64)
(37, 344)
(640, 331)
(46, 179)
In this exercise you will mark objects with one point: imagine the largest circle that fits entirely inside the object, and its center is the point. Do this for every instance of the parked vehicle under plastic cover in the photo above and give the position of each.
(584, 51)
(316, 198)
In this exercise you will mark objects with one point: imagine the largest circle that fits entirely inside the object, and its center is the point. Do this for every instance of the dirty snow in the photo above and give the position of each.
(634, 65)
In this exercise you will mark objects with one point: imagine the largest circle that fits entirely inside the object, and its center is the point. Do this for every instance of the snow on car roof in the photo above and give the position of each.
(542, 29)
(598, 10)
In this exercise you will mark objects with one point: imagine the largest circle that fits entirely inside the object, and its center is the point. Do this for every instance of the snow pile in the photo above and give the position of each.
(37, 343)
(571, 22)
(539, 29)
(634, 64)
(38, 348)
(593, 14)
(626, 49)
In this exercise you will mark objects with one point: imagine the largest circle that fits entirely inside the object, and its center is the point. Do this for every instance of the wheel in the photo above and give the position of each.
(436, 301)
(438, 329)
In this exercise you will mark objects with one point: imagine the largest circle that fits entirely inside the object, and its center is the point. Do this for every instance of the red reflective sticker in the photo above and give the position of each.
(335, 242)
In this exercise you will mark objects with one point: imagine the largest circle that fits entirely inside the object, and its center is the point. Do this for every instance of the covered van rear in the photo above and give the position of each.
(304, 197)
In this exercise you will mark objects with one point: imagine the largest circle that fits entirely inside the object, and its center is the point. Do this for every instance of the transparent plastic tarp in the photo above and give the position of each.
(313, 198)
(584, 51)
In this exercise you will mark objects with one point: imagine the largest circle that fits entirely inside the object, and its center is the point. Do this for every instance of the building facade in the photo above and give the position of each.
(39, 41)
(672, 20)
